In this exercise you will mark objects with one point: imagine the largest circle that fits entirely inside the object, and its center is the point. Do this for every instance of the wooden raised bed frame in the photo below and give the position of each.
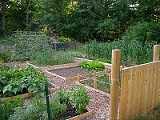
(22, 96)
(82, 116)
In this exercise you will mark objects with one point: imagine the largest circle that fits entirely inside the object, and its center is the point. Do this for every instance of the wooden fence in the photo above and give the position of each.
(135, 89)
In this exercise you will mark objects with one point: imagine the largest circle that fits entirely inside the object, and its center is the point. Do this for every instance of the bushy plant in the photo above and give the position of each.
(33, 110)
(92, 65)
(16, 81)
(36, 108)
(143, 32)
(79, 99)
(7, 107)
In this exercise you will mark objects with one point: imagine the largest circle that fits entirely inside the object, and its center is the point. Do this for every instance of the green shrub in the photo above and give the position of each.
(16, 81)
(143, 32)
(92, 65)
(8, 106)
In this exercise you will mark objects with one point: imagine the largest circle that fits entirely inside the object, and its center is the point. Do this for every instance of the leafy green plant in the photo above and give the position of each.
(92, 65)
(16, 81)
(35, 109)
(7, 107)
(79, 99)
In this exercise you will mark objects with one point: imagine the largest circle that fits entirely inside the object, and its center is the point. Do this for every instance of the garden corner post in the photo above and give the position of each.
(156, 53)
(115, 77)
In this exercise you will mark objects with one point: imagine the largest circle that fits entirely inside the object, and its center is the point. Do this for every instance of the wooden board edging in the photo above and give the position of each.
(23, 96)
(82, 116)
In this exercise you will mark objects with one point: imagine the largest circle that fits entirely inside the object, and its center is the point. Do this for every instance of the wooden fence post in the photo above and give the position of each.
(156, 53)
(115, 77)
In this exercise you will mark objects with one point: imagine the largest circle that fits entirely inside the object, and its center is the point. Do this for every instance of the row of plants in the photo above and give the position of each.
(132, 52)
(63, 105)
(14, 81)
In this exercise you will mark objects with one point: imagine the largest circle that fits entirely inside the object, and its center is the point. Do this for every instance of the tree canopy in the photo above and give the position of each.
(78, 19)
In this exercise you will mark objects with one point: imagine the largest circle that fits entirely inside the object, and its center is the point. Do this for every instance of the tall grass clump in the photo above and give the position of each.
(133, 52)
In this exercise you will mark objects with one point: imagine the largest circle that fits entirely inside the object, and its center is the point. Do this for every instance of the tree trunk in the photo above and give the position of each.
(3, 20)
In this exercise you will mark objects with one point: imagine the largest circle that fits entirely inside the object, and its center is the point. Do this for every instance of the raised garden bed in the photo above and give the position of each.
(21, 82)
(77, 74)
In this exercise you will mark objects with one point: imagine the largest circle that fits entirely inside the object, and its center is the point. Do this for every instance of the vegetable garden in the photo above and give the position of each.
(79, 59)
(80, 83)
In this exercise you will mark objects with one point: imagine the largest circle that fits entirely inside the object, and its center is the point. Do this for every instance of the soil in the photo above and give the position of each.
(70, 112)
(69, 72)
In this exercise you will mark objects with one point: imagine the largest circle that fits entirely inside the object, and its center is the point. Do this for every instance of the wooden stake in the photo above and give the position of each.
(94, 80)
(115, 77)
(156, 53)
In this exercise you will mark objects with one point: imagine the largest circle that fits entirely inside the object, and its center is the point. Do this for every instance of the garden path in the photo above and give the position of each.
(100, 101)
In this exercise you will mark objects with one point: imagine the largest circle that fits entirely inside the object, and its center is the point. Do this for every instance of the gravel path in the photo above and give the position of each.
(99, 100)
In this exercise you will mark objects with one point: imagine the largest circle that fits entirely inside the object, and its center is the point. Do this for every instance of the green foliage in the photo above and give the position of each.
(92, 65)
(36, 108)
(143, 32)
(17, 81)
(8, 106)
(64, 39)
(33, 110)
(29, 42)
(79, 99)
(5, 56)
(51, 57)
(133, 52)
